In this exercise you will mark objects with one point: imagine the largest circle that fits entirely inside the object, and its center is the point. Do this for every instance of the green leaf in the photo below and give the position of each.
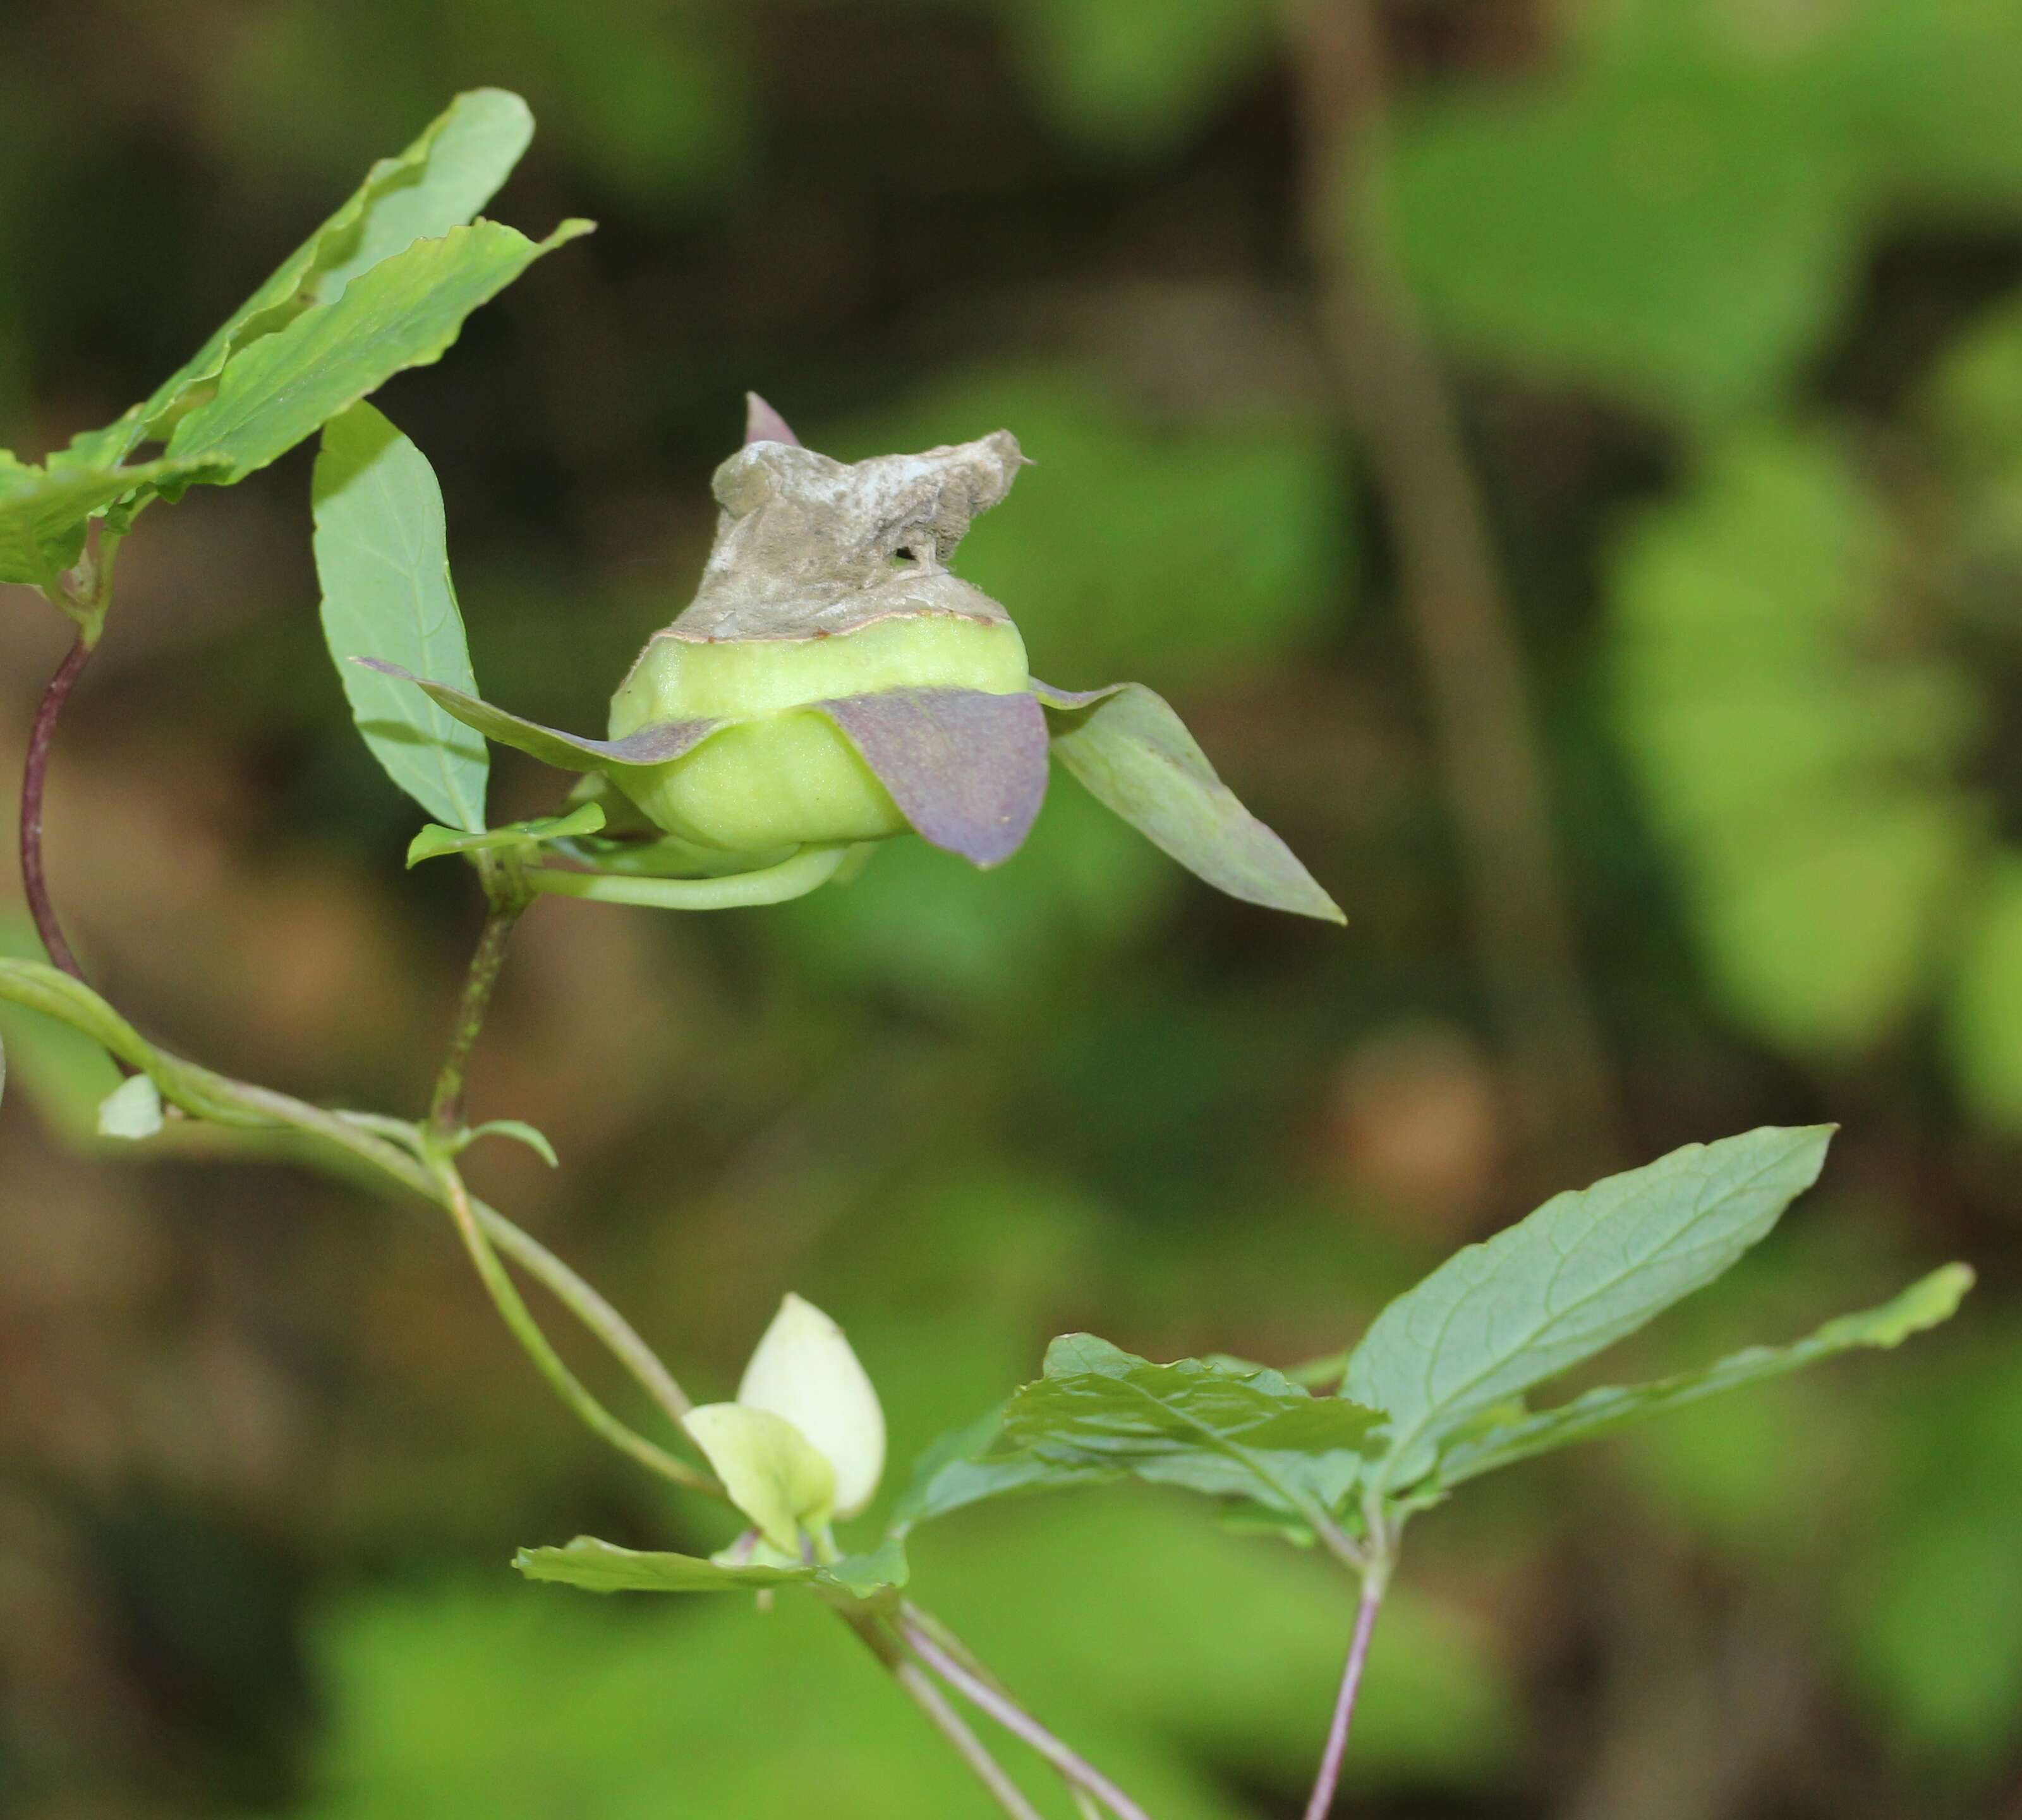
(520, 1132)
(603, 1567)
(43, 514)
(1228, 1431)
(442, 180)
(1588, 1267)
(883, 1571)
(382, 557)
(961, 1469)
(132, 1111)
(1504, 1439)
(658, 744)
(405, 312)
(1132, 753)
(433, 842)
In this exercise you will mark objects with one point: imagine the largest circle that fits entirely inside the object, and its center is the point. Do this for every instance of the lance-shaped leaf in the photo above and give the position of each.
(1135, 756)
(432, 843)
(653, 745)
(1588, 1267)
(1210, 1427)
(442, 180)
(43, 513)
(967, 1467)
(1501, 1440)
(382, 557)
(967, 769)
(404, 312)
(603, 1567)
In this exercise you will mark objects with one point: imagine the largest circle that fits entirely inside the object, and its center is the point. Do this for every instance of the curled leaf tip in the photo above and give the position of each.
(763, 424)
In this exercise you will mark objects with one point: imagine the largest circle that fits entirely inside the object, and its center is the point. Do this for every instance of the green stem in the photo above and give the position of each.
(507, 898)
(1373, 1584)
(237, 1105)
(807, 870)
(943, 1652)
(513, 1310)
(921, 1691)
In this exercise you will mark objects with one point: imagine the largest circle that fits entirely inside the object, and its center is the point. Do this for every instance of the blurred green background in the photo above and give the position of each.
(1730, 294)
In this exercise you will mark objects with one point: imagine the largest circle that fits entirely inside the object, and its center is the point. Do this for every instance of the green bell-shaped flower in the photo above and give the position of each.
(833, 684)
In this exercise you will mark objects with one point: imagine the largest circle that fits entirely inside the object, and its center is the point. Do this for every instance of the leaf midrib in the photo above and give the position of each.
(1400, 1446)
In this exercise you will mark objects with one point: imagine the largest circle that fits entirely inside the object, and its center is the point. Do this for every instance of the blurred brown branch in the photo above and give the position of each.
(1394, 391)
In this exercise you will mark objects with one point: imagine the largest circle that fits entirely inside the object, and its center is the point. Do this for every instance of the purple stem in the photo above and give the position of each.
(35, 776)
(1322, 1803)
(1021, 1724)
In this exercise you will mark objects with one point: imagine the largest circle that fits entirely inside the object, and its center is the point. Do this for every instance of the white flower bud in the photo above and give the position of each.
(805, 1370)
(772, 1473)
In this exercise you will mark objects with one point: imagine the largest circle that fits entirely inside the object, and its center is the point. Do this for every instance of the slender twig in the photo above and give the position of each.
(984, 1694)
(1484, 719)
(240, 1106)
(916, 1616)
(924, 1694)
(513, 1310)
(34, 779)
(1329, 1779)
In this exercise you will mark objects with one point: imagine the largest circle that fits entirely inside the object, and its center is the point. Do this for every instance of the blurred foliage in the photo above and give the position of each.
(1806, 756)
(1809, 661)
(1676, 215)
(1733, 290)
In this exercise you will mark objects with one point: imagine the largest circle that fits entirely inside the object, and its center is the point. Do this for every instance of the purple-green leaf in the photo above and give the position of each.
(1134, 755)
(968, 769)
(655, 745)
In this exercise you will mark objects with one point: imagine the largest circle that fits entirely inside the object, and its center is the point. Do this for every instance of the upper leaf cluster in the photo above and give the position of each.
(384, 285)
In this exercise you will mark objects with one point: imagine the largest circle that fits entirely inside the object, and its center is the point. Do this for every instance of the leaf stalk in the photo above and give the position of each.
(919, 1688)
(983, 1692)
(1375, 1582)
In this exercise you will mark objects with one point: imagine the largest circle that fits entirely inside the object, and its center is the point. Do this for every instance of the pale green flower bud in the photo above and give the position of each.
(805, 1370)
(772, 1473)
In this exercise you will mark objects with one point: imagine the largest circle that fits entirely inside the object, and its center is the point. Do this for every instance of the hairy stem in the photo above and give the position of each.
(921, 1691)
(34, 779)
(1484, 720)
(1373, 1584)
(984, 1693)
(506, 902)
